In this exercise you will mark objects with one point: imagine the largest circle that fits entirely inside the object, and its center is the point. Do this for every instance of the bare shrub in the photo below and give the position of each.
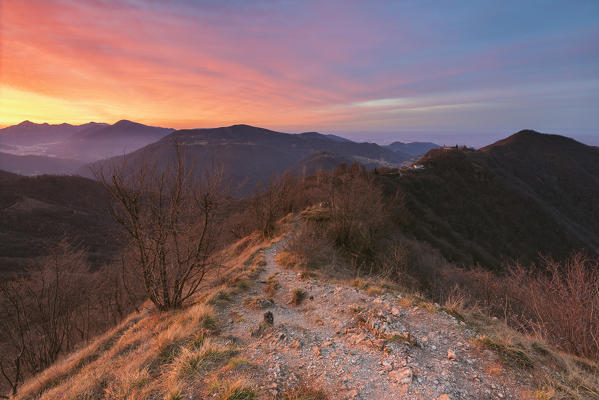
(297, 296)
(289, 260)
(351, 223)
(55, 306)
(358, 214)
(271, 202)
(39, 312)
(558, 302)
(313, 246)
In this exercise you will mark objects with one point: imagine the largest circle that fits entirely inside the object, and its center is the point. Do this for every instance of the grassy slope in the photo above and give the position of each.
(163, 356)
(155, 355)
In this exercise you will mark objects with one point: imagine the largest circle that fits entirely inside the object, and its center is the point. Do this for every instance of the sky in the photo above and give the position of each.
(460, 71)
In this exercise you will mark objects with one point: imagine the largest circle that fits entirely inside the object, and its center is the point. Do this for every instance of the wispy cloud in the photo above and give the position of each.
(339, 66)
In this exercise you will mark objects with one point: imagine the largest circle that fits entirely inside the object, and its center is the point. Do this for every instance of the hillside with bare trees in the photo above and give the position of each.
(337, 284)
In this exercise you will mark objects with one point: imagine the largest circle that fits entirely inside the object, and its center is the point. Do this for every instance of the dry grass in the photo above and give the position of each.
(133, 384)
(290, 259)
(271, 285)
(220, 296)
(239, 390)
(305, 393)
(375, 286)
(260, 302)
(244, 261)
(557, 375)
(315, 214)
(115, 373)
(406, 338)
(297, 296)
(73, 364)
(374, 291)
(360, 283)
(191, 361)
(156, 355)
(238, 362)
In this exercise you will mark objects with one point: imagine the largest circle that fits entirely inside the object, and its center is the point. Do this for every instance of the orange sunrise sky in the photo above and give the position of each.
(340, 67)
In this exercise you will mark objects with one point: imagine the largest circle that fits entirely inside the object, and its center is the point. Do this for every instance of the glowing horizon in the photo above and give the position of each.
(347, 67)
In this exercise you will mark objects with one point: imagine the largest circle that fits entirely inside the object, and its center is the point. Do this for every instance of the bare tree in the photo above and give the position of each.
(170, 216)
(13, 374)
(271, 202)
(39, 310)
(357, 209)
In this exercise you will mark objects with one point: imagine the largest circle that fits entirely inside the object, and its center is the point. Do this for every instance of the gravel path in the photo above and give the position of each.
(356, 346)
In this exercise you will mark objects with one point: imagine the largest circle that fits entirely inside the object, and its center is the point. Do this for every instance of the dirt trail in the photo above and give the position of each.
(356, 346)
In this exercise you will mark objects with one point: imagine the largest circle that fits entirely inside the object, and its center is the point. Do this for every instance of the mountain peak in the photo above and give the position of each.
(526, 134)
(529, 137)
(249, 128)
(244, 126)
(125, 123)
(28, 123)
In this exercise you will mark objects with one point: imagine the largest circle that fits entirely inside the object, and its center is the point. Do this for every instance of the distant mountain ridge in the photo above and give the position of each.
(84, 143)
(412, 148)
(325, 136)
(90, 142)
(28, 133)
(249, 155)
(522, 195)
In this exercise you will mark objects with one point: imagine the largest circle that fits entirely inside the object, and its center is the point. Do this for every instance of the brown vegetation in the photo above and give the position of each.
(38, 212)
(297, 296)
(56, 306)
(305, 393)
(357, 224)
(177, 223)
(168, 354)
(170, 217)
(557, 302)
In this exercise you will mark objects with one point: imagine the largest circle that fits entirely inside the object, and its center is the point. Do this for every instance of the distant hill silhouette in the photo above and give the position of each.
(319, 161)
(37, 212)
(122, 137)
(249, 155)
(321, 136)
(84, 143)
(6, 176)
(28, 133)
(526, 194)
(412, 148)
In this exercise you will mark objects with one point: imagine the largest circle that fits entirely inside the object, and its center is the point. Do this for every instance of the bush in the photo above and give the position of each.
(558, 302)
(352, 224)
(297, 296)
